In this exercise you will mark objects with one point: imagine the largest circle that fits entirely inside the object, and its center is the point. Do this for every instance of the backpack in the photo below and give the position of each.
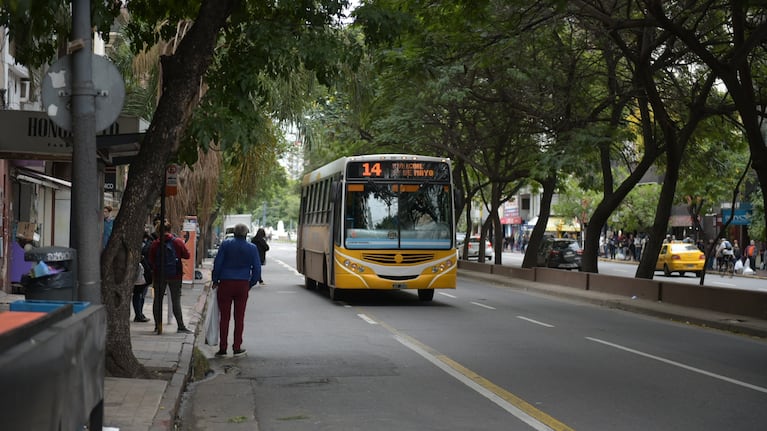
(171, 266)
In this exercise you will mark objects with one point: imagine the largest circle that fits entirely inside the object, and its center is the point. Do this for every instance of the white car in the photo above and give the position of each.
(473, 251)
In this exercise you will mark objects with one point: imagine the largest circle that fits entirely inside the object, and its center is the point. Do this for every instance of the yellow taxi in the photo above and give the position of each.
(680, 257)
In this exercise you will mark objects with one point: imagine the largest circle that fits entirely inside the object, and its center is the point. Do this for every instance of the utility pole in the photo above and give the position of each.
(86, 212)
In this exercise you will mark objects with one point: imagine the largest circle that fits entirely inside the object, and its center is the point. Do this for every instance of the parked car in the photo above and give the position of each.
(473, 252)
(680, 257)
(565, 253)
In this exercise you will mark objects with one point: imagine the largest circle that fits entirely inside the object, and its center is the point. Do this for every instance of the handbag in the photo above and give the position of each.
(140, 280)
(212, 319)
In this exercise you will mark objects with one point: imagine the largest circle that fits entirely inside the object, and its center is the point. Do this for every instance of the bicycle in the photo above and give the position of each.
(726, 265)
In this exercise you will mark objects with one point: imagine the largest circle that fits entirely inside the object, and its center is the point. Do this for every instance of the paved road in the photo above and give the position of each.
(476, 358)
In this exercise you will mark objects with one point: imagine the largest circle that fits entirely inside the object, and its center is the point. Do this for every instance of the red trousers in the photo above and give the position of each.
(232, 291)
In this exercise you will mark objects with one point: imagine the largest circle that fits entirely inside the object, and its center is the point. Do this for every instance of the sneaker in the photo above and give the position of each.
(239, 352)
(183, 331)
(141, 319)
(221, 353)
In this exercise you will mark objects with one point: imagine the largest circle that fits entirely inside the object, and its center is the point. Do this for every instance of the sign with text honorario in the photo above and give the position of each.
(33, 135)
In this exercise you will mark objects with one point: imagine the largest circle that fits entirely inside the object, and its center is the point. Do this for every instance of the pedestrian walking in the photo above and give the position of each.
(712, 249)
(168, 269)
(236, 269)
(109, 222)
(260, 241)
(764, 259)
(750, 252)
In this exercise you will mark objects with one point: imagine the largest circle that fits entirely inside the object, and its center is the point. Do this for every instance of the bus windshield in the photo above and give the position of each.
(381, 215)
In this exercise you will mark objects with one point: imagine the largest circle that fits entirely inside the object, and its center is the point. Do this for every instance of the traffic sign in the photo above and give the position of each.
(171, 180)
(107, 82)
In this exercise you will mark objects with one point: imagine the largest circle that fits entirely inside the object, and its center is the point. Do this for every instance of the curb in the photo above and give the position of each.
(165, 418)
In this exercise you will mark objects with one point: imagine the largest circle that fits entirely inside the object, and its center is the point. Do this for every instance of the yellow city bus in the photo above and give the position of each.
(381, 222)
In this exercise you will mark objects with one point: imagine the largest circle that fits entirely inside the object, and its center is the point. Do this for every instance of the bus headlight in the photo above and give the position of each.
(353, 266)
(442, 266)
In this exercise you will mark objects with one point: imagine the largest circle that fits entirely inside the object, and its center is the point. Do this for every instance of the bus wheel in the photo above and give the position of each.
(310, 284)
(425, 294)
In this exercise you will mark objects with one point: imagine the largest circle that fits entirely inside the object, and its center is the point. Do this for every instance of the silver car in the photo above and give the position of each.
(473, 251)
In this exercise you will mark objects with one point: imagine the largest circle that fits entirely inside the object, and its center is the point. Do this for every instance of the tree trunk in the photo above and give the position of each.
(182, 74)
(495, 203)
(646, 267)
(533, 244)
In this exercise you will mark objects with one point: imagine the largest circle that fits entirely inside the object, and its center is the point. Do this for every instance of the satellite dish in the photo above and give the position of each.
(57, 92)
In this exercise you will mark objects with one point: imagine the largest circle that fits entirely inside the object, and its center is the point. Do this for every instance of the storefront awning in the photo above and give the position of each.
(32, 135)
(680, 221)
(741, 217)
(35, 177)
(555, 224)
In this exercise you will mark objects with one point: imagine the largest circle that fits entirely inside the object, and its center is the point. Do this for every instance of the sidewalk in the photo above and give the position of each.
(141, 404)
(144, 404)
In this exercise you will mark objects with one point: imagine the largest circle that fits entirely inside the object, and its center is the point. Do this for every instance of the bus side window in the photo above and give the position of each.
(334, 210)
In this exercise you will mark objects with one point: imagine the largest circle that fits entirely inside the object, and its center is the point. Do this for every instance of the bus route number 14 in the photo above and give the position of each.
(371, 170)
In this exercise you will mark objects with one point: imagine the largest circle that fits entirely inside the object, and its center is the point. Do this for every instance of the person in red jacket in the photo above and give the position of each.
(171, 279)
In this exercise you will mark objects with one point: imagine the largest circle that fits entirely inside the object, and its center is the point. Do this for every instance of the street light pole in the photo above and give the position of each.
(86, 214)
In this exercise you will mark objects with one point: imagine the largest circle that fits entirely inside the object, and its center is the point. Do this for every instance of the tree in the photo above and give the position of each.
(251, 40)
(660, 64)
(199, 183)
(271, 39)
(715, 160)
(483, 89)
(181, 74)
(728, 36)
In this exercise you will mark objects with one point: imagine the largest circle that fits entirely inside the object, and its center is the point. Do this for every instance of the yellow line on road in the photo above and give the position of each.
(534, 417)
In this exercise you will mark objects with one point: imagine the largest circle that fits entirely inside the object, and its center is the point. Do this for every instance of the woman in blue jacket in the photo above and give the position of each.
(236, 269)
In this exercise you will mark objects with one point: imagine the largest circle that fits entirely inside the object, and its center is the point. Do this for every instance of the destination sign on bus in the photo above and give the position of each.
(398, 169)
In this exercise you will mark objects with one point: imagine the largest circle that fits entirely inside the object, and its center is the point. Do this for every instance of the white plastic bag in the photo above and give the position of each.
(747, 268)
(738, 266)
(212, 319)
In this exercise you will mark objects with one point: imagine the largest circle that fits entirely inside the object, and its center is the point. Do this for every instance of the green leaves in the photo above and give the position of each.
(40, 29)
